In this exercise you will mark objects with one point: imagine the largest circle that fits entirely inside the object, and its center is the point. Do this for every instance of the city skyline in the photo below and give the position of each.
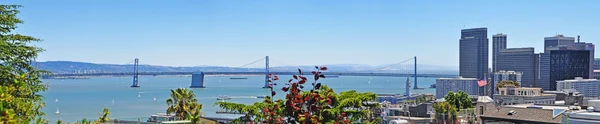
(225, 33)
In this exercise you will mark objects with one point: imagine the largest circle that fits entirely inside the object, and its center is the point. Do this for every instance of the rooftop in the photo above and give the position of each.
(507, 72)
(457, 78)
(579, 79)
(522, 114)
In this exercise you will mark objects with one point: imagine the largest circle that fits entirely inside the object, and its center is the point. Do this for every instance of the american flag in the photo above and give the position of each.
(481, 83)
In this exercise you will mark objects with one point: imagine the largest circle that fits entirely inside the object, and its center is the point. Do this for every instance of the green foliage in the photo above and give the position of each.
(59, 122)
(104, 117)
(505, 83)
(19, 80)
(459, 100)
(183, 103)
(350, 103)
(444, 111)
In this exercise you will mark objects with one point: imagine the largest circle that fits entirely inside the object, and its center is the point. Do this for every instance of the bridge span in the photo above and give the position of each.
(257, 73)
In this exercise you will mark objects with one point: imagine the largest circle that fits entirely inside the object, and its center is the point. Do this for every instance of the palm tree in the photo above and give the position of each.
(104, 117)
(183, 102)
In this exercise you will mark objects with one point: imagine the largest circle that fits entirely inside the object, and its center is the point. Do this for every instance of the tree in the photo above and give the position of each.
(444, 111)
(459, 100)
(505, 83)
(104, 117)
(183, 102)
(19, 80)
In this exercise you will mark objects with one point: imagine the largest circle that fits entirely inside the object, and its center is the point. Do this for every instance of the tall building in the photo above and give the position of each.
(445, 85)
(588, 47)
(557, 40)
(499, 43)
(522, 60)
(597, 64)
(474, 53)
(563, 64)
(512, 95)
(505, 76)
(564, 59)
(589, 87)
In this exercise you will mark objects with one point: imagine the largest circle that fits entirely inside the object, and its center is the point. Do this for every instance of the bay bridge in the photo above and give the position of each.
(198, 76)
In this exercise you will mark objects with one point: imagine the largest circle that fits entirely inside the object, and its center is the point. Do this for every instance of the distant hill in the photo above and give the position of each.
(62, 67)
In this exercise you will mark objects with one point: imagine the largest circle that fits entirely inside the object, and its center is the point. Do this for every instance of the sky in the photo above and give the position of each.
(291, 32)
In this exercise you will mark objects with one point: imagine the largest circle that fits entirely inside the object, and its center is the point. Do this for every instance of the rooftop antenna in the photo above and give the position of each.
(578, 38)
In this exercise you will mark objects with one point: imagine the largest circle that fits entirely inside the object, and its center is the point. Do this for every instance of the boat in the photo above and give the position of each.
(432, 86)
(56, 100)
(223, 97)
(139, 95)
(237, 78)
(260, 96)
(154, 98)
(57, 112)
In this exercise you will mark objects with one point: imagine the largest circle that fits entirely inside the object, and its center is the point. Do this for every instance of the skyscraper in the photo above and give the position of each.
(564, 63)
(474, 53)
(597, 64)
(557, 40)
(499, 43)
(522, 60)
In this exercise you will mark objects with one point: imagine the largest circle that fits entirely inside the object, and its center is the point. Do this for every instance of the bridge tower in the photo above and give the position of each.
(416, 73)
(135, 73)
(266, 72)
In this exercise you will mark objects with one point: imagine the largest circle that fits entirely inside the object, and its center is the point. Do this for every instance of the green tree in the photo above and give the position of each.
(104, 117)
(183, 102)
(19, 80)
(505, 83)
(459, 100)
(444, 111)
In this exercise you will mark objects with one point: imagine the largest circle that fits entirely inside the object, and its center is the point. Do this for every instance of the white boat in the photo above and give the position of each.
(57, 112)
(223, 97)
(154, 98)
(56, 100)
(139, 95)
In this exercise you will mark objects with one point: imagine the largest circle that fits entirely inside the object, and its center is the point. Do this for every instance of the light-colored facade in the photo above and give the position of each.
(473, 53)
(522, 60)
(445, 85)
(511, 95)
(505, 76)
(499, 43)
(588, 87)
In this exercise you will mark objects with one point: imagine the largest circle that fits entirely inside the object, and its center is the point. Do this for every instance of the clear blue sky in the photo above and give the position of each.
(306, 32)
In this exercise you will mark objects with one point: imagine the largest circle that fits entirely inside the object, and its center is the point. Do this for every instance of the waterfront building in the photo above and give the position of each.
(564, 62)
(505, 76)
(445, 85)
(473, 53)
(589, 87)
(511, 95)
(522, 60)
(499, 43)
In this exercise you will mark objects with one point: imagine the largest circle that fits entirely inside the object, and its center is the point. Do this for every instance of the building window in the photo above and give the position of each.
(480, 110)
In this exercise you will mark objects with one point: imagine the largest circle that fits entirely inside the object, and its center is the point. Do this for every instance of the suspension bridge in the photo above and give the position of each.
(198, 76)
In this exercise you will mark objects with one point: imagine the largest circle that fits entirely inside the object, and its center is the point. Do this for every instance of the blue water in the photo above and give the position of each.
(86, 98)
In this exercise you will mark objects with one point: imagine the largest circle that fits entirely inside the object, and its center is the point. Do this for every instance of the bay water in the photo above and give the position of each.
(85, 98)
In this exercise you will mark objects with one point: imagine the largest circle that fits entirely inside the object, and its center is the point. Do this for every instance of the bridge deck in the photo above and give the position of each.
(258, 73)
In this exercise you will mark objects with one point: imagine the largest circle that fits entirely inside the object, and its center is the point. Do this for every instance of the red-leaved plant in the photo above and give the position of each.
(310, 107)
